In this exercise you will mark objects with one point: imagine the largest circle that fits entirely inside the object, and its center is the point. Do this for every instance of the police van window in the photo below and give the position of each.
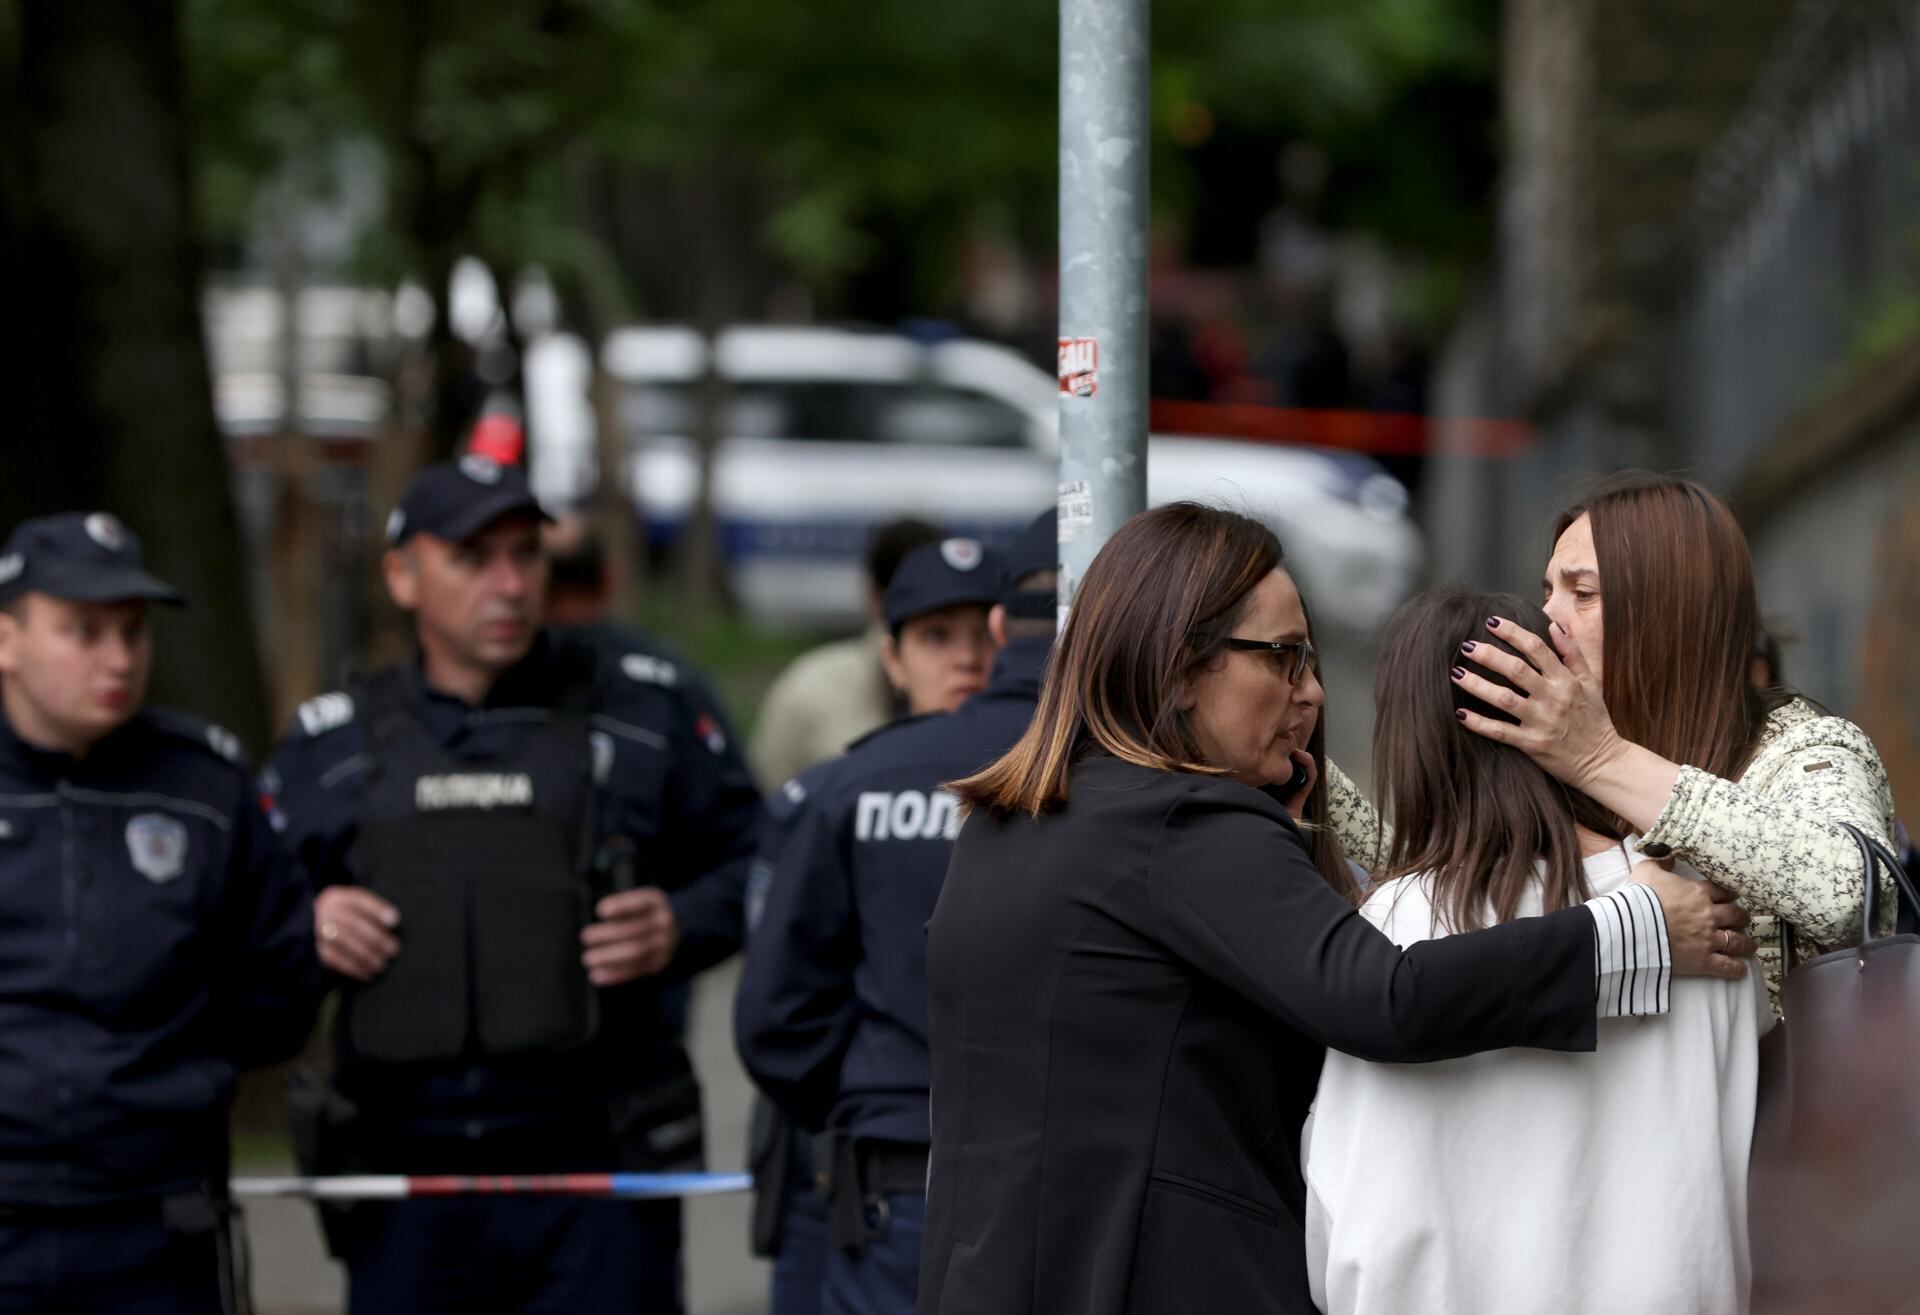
(835, 411)
(753, 410)
(933, 415)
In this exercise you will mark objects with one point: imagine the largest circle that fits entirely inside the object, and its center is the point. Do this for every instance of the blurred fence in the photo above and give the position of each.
(1803, 237)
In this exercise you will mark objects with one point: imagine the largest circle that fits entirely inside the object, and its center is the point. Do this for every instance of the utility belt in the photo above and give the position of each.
(855, 1177)
(204, 1213)
(652, 1125)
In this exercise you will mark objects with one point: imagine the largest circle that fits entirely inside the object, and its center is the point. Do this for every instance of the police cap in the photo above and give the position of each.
(945, 574)
(1034, 550)
(89, 557)
(455, 500)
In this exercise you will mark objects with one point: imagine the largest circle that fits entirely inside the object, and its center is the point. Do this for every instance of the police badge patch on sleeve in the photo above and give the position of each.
(157, 846)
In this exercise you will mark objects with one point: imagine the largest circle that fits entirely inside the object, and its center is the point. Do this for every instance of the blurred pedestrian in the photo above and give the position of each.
(831, 1012)
(1516, 1181)
(517, 839)
(155, 939)
(1645, 701)
(1140, 952)
(831, 696)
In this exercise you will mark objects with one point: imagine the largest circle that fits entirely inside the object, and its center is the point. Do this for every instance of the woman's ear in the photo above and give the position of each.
(1184, 695)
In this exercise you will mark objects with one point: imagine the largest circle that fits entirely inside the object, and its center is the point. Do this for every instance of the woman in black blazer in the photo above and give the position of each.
(1144, 944)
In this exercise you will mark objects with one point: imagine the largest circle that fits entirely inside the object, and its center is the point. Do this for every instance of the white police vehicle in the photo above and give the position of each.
(829, 432)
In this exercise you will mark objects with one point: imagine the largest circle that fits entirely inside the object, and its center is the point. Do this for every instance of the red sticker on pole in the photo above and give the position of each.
(1080, 366)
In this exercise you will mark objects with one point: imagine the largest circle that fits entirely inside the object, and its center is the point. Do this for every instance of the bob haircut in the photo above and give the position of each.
(1153, 611)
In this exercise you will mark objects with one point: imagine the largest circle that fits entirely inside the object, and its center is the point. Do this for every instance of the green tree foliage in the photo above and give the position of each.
(850, 117)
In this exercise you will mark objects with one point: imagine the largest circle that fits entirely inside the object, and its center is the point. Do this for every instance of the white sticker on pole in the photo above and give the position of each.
(1076, 509)
(1079, 366)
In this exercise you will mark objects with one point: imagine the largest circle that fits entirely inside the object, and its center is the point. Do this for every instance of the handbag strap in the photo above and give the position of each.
(1873, 856)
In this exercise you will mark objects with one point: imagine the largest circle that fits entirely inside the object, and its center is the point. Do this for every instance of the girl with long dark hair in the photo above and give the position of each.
(1521, 1180)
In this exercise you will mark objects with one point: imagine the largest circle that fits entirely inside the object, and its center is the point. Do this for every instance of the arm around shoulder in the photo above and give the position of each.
(1236, 897)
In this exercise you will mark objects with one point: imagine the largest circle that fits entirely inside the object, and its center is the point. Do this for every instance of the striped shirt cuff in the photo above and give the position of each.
(1632, 961)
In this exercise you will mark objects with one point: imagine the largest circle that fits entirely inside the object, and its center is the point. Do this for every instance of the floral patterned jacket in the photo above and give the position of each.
(1772, 836)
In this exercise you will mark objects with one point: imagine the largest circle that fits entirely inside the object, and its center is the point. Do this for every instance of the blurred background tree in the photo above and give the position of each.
(666, 160)
(105, 372)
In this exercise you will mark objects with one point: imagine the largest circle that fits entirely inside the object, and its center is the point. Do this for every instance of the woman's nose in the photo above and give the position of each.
(1557, 609)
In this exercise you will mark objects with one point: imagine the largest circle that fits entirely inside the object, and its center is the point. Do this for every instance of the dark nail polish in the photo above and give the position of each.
(1467, 647)
(1461, 713)
(1493, 623)
(1459, 673)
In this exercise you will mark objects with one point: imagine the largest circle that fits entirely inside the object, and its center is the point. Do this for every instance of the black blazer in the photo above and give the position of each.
(1129, 1003)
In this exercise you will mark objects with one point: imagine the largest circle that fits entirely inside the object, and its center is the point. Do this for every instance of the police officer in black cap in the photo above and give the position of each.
(518, 839)
(155, 938)
(831, 1016)
(935, 654)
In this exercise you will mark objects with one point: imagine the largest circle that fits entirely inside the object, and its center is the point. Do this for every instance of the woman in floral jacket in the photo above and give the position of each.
(1648, 708)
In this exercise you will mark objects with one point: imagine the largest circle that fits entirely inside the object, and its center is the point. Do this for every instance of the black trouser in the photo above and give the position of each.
(127, 1258)
(513, 1255)
(498, 1255)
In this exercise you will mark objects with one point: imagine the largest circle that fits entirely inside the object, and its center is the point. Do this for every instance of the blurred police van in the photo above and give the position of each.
(829, 432)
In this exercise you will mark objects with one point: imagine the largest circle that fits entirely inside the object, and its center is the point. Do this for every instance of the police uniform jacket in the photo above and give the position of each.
(154, 939)
(831, 1015)
(668, 781)
(1129, 1001)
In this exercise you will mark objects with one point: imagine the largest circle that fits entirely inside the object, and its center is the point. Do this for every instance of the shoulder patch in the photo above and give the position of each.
(650, 670)
(326, 712)
(225, 743)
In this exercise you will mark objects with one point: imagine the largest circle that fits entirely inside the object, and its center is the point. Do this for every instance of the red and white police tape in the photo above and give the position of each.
(399, 1187)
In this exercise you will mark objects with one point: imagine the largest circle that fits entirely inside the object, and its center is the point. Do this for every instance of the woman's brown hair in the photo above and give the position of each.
(1151, 613)
(1474, 813)
(1681, 612)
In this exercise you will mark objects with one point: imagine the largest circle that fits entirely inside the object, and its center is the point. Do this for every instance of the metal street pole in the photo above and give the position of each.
(1103, 276)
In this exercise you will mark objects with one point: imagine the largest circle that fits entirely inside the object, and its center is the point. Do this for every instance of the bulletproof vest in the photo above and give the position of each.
(487, 862)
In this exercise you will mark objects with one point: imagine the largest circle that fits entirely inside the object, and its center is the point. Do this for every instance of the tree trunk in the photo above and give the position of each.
(597, 300)
(119, 412)
(703, 583)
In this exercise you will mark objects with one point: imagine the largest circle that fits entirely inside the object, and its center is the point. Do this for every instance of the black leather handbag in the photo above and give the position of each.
(1834, 1192)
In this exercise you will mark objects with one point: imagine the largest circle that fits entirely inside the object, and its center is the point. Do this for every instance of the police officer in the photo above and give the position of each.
(154, 939)
(831, 1016)
(518, 839)
(934, 651)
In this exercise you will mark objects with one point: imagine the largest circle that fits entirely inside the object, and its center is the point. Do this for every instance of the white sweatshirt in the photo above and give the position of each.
(1523, 1181)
